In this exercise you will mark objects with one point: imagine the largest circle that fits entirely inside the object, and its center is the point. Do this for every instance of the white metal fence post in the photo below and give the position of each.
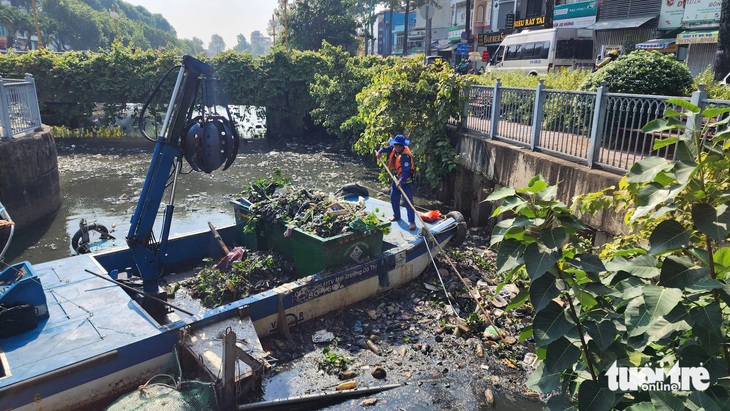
(599, 117)
(35, 111)
(496, 109)
(698, 99)
(5, 112)
(537, 111)
(465, 114)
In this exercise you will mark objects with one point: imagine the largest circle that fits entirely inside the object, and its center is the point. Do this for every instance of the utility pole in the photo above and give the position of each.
(467, 23)
(37, 29)
(722, 58)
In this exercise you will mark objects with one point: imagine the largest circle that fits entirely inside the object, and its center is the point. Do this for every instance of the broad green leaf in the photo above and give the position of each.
(500, 229)
(551, 323)
(603, 333)
(559, 403)
(500, 194)
(708, 316)
(542, 291)
(525, 333)
(643, 266)
(539, 259)
(649, 197)
(660, 328)
(509, 204)
(647, 169)
(586, 299)
(659, 301)
(685, 151)
(593, 397)
(543, 381)
(637, 316)
(553, 238)
(715, 111)
(589, 263)
(662, 124)
(666, 401)
(561, 355)
(699, 401)
(721, 258)
(680, 272)
(519, 299)
(669, 235)
(711, 221)
(684, 104)
(663, 142)
(683, 170)
(535, 185)
(707, 326)
(549, 193)
(510, 255)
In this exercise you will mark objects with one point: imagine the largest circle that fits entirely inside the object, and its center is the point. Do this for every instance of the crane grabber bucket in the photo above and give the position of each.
(198, 127)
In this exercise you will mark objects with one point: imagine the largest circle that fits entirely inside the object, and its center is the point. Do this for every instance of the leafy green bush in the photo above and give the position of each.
(643, 72)
(714, 89)
(653, 299)
(417, 101)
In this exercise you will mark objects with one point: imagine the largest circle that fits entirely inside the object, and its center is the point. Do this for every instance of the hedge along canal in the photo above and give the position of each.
(101, 180)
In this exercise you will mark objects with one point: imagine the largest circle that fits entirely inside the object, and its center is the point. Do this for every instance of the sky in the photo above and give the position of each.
(202, 19)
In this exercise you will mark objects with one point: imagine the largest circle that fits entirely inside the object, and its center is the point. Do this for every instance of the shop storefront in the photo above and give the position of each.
(702, 47)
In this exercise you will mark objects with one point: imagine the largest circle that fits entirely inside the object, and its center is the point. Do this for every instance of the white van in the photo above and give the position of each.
(539, 51)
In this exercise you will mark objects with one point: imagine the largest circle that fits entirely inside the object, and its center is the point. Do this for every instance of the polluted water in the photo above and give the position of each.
(101, 180)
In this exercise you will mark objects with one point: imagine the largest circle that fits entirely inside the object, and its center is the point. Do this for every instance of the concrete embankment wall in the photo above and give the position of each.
(487, 165)
(30, 188)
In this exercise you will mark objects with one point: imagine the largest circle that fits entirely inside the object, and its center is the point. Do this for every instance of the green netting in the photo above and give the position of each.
(167, 392)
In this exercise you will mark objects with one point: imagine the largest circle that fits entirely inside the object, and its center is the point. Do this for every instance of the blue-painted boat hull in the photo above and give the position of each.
(99, 343)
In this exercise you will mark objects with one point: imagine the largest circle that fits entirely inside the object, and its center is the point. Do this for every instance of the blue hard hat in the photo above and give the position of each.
(399, 139)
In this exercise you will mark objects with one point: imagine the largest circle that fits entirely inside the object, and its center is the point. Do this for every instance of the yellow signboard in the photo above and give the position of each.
(533, 21)
(698, 37)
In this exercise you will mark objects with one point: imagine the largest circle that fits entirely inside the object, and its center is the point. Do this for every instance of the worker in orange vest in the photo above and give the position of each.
(400, 160)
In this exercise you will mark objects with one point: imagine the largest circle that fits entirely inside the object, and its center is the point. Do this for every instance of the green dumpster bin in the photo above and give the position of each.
(313, 253)
(273, 233)
(248, 235)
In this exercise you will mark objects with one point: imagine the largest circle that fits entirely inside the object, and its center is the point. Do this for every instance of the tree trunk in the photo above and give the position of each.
(722, 58)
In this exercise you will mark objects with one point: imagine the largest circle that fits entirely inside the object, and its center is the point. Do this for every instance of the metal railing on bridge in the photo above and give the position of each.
(598, 129)
(19, 110)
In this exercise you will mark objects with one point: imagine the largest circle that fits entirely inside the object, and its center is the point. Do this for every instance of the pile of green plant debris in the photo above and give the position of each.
(257, 272)
(312, 211)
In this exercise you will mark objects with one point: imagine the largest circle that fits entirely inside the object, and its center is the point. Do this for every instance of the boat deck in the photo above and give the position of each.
(88, 317)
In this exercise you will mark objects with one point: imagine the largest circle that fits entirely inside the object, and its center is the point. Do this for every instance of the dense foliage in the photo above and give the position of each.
(643, 72)
(417, 101)
(654, 298)
(334, 90)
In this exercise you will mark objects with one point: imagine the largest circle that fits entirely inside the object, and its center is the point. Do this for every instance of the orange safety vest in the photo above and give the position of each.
(394, 163)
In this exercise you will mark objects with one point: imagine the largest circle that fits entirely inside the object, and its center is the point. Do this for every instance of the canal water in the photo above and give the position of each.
(102, 178)
(101, 181)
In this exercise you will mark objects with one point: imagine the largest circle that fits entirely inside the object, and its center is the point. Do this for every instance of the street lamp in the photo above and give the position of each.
(113, 14)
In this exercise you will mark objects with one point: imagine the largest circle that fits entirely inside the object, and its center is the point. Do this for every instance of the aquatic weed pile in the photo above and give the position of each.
(256, 272)
(312, 211)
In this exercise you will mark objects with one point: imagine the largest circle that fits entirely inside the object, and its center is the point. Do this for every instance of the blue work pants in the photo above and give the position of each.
(395, 198)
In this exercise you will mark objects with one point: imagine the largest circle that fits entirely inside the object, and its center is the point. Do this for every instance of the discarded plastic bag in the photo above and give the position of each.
(431, 216)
